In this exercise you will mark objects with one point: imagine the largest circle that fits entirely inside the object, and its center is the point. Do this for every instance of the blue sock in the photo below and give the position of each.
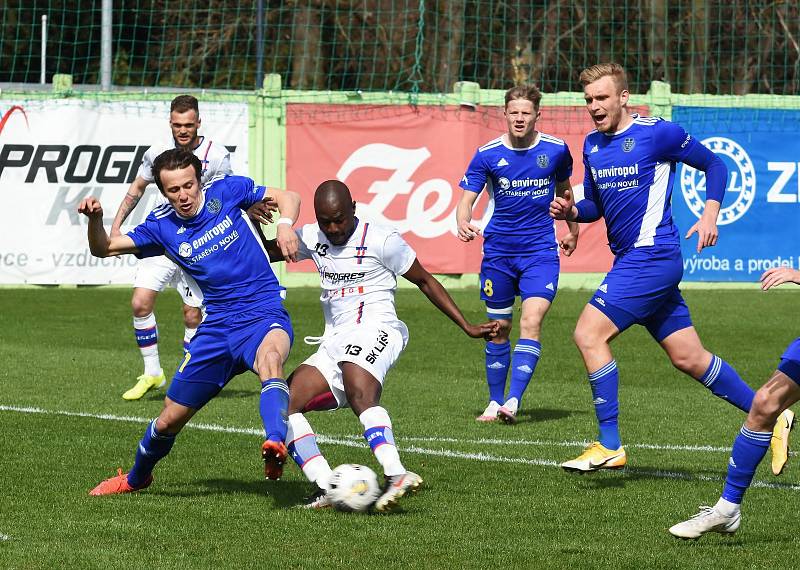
(725, 383)
(749, 448)
(273, 405)
(152, 448)
(605, 389)
(523, 363)
(498, 357)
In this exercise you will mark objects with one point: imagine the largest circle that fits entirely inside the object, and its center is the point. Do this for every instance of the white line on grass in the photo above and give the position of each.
(480, 456)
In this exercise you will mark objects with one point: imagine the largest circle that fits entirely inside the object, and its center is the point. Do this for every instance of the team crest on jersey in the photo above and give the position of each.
(504, 183)
(542, 160)
(214, 206)
(628, 144)
(185, 249)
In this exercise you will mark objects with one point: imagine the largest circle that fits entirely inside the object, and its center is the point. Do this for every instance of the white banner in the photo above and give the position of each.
(55, 152)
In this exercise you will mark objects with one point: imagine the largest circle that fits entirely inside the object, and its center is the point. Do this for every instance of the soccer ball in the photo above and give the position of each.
(353, 488)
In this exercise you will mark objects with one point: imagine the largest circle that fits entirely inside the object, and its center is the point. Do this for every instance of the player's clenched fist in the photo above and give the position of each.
(90, 207)
(562, 208)
(467, 231)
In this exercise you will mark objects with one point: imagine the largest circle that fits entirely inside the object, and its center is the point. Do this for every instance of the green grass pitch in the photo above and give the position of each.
(494, 496)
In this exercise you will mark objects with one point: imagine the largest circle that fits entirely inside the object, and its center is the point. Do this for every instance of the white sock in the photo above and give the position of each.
(302, 443)
(378, 428)
(152, 364)
(725, 507)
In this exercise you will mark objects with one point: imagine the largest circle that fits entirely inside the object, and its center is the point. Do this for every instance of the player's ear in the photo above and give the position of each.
(354, 206)
(624, 96)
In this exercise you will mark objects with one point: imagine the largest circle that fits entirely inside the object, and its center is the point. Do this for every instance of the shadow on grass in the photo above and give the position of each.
(542, 414)
(285, 494)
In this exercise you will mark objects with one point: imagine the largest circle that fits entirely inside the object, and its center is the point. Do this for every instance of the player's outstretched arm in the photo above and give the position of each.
(778, 275)
(466, 230)
(442, 300)
(129, 203)
(289, 206)
(100, 244)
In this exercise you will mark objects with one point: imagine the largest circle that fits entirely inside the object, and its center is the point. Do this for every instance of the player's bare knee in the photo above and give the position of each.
(192, 317)
(530, 326)
(585, 339)
(270, 363)
(694, 362)
(141, 305)
(764, 411)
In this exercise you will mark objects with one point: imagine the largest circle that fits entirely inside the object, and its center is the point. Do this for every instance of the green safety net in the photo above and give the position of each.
(408, 46)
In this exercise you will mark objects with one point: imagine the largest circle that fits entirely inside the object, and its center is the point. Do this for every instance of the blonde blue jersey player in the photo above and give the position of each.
(630, 163)
(522, 171)
(208, 235)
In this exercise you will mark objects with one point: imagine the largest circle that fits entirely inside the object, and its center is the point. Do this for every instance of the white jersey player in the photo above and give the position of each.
(358, 262)
(154, 274)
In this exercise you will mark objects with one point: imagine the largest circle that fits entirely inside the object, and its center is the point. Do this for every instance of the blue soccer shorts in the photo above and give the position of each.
(790, 361)
(503, 278)
(642, 288)
(224, 347)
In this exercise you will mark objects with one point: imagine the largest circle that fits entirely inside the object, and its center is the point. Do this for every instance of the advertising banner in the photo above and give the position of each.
(403, 165)
(53, 153)
(759, 223)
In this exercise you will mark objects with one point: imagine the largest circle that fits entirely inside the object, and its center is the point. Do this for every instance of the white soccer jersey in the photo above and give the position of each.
(215, 158)
(358, 279)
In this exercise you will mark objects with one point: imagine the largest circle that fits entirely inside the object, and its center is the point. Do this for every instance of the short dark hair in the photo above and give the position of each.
(529, 92)
(175, 159)
(183, 103)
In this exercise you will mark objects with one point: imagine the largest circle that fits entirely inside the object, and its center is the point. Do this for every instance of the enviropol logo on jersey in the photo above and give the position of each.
(542, 160)
(742, 182)
(504, 183)
(185, 250)
(214, 206)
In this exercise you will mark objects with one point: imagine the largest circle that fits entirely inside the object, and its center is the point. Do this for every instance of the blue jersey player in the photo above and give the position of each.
(771, 403)
(210, 237)
(522, 170)
(630, 164)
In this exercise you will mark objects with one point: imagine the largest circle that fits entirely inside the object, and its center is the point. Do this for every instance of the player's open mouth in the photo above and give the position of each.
(599, 118)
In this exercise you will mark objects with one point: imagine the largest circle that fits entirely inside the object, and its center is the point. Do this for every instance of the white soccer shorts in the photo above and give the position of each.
(375, 348)
(156, 273)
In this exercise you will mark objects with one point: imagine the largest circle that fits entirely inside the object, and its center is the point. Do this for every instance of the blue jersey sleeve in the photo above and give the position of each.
(475, 178)
(564, 167)
(244, 190)
(679, 146)
(146, 238)
(588, 209)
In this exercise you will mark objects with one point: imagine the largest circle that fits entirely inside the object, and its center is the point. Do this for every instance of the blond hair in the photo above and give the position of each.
(613, 70)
